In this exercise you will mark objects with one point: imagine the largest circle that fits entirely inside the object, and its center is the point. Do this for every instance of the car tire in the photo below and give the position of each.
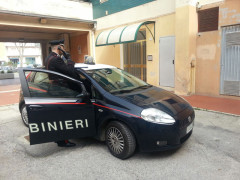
(120, 140)
(24, 114)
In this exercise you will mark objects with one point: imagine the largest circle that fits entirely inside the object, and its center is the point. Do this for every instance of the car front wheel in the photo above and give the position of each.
(24, 115)
(120, 140)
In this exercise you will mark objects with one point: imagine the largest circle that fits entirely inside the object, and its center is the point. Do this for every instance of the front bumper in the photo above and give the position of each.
(156, 137)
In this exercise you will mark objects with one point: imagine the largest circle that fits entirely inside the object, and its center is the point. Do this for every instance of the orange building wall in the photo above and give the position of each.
(79, 47)
(229, 13)
(209, 49)
(208, 63)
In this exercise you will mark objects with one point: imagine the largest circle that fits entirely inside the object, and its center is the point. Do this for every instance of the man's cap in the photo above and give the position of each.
(57, 42)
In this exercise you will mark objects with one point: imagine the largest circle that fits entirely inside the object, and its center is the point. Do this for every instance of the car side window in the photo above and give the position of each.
(41, 77)
(52, 86)
(30, 76)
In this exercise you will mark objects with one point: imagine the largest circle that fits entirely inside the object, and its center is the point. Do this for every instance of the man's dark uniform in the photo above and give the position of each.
(55, 63)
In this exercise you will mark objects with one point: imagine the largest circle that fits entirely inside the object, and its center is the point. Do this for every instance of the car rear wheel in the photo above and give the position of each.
(120, 140)
(24, 115)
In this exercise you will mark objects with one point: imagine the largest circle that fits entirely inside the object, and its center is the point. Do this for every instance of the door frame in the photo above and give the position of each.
(142, 65)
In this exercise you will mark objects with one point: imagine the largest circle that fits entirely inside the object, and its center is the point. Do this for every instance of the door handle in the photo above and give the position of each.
(35, 107)
(173, 61)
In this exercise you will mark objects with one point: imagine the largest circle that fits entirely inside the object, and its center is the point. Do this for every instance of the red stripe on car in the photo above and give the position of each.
(37, 89)
(116, 110)
(28, 75)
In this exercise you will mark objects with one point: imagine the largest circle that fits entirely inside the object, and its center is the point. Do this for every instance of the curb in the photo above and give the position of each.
(9, 104)
(201, 109)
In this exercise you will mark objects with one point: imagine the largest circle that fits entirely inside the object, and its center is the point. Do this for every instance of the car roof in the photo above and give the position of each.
(92, 66)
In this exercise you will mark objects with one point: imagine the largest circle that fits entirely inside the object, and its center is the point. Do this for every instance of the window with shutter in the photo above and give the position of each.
(208, 19)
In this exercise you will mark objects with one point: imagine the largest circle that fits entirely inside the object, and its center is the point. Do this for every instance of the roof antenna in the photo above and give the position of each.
(89, 60)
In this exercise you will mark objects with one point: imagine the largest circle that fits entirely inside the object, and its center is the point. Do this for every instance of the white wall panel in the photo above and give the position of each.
(61, 8)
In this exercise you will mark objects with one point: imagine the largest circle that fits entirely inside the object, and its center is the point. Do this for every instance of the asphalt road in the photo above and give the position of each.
(6, 82)
(212, 152)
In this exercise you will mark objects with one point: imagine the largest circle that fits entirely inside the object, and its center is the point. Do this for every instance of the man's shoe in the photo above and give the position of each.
(65, 143)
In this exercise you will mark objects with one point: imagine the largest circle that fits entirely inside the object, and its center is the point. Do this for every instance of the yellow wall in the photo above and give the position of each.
(193, 29)
(209, 49)
(186, 30)
(164, 26)
(108, 55)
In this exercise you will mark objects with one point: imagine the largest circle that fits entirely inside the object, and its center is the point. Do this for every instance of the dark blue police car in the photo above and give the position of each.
(108, 104)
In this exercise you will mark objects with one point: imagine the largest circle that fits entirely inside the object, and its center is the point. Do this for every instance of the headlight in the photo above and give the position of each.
(156, 116)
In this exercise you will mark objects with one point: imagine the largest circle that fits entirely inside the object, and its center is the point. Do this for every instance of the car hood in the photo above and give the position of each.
(158, 98)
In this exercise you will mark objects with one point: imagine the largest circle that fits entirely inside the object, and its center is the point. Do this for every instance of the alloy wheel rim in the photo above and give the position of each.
(24, 115)
(115, 140)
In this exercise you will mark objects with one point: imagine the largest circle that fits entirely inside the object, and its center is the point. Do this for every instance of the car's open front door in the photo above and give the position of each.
(58, 107)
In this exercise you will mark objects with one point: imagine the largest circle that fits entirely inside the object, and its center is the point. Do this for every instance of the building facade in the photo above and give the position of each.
(188, 46)
(22, 54)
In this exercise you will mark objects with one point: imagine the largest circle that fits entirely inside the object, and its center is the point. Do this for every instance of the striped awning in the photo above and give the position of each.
(124, 34)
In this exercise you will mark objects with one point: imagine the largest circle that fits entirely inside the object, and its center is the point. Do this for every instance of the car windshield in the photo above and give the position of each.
(116, 81)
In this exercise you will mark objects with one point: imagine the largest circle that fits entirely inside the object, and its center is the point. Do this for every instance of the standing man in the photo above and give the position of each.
(55, 62)
(65, 65)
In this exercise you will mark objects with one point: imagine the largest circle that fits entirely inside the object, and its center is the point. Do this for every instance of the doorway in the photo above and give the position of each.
(167, 61)
(134, 55)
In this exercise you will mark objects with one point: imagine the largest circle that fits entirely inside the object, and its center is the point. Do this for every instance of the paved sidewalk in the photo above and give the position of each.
(10, 87)
(226, 105)
(9, 90)
(9, 94)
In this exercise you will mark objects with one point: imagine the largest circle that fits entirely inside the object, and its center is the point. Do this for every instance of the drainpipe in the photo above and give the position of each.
(93, 46)
(192, 75)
